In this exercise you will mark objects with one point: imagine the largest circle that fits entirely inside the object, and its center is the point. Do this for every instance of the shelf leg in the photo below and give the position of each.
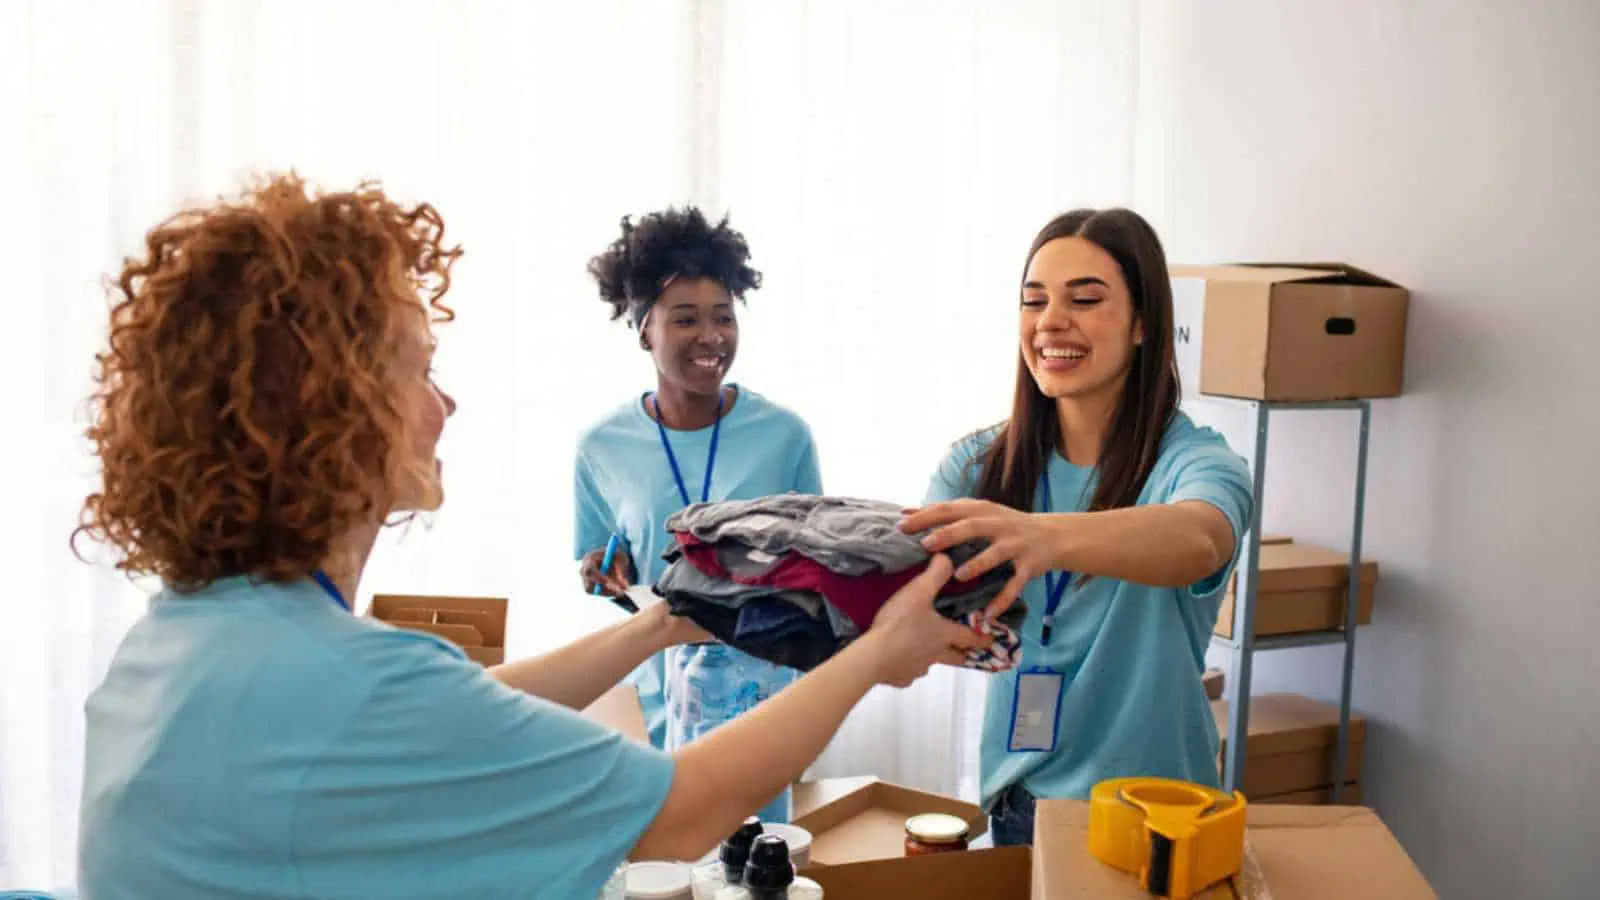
(1244, 613)
(1351, 604)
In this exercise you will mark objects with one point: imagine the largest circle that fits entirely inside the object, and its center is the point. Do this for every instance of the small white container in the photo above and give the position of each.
(705, 880)
(802, 889)
(658, 881)
(798, 839)
(616, 884)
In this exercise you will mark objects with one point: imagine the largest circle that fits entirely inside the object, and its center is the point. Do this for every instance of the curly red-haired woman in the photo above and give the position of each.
(265, 405)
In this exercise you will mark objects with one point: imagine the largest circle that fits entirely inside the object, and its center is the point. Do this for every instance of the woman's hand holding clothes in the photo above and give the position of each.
(1032, 542)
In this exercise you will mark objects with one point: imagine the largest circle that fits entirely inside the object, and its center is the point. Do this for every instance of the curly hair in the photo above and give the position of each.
(245, 413)
(672, 242)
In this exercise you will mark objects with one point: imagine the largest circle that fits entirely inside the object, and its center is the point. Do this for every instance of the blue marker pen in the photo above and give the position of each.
(606, 560)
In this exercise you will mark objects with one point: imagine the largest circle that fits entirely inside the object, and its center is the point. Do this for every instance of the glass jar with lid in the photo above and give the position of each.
(935, 833)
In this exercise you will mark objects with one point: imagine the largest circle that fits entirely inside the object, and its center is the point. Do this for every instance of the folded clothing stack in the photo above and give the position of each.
(794, 578)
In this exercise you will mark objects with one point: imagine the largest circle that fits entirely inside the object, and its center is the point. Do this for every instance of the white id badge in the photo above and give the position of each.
(1035, 711)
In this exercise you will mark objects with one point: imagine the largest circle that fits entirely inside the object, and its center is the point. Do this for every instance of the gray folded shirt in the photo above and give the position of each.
(848, 535)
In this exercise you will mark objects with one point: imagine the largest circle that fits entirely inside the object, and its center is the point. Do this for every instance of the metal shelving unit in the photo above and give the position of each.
(1245, 644)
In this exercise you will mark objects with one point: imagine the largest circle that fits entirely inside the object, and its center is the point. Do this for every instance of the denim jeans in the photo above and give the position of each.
(1011, 820)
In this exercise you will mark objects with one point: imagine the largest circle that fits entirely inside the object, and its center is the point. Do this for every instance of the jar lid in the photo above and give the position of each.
(657, 881)
(936, 828)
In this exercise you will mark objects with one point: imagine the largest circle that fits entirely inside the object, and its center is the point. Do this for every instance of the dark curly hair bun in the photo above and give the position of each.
(671, 242)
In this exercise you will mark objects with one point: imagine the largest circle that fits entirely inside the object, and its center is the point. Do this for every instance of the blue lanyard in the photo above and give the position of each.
(1055, 583)
(331, 589)
(672, 460)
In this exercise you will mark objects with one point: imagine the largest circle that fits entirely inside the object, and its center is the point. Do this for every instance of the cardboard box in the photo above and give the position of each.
(1215, 682)
(859, 819)
(1288, 331)
(1291, 744)
(1318, 797)
(620, 709)
(1301, 852)
(1000, 874)
(475, 624)
(1300, 588)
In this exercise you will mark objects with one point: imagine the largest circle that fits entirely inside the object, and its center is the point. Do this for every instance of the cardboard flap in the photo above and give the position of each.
(1282, 273)
(999, 874)
(482, 621)
(1248, 274)
(810, 796)
(461, 635)
(1333, 273)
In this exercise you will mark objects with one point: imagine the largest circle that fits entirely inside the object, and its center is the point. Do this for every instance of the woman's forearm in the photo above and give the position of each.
(743, 764)
(1165, 545)
(577, 674)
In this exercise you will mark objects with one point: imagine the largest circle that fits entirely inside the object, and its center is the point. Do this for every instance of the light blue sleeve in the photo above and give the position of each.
(1211, 472)
(956, 476)
(808, 474)
(593, 516)
(447, 783)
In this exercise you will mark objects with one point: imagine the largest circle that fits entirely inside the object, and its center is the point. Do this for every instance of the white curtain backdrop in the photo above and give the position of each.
(889, 162)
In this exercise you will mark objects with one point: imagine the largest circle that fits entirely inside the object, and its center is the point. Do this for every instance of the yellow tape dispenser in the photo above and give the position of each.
(1178, 837)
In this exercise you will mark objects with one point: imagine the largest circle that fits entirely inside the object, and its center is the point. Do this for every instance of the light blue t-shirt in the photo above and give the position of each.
(1132, 702)
(257, 740)
(624, 484)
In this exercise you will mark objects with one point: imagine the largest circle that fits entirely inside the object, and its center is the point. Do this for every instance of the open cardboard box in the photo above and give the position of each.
(999, 874)
(475, 624)
(1301, 588)
(859, 819)
(1295, 852)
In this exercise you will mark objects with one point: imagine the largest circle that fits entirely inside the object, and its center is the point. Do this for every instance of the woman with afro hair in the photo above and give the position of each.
(675, 277)
(266, 403)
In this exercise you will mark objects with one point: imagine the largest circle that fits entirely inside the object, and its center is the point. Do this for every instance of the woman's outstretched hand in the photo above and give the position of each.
(1031, 542)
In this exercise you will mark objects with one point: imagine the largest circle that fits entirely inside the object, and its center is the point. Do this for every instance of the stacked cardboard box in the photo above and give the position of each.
(1300, 588)
(1291, 749)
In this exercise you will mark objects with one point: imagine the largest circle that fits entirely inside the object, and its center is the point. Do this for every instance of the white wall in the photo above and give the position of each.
(1450, 146)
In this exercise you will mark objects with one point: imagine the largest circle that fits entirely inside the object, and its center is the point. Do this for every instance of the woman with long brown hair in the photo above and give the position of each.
(265, 405)
(1121, 516)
